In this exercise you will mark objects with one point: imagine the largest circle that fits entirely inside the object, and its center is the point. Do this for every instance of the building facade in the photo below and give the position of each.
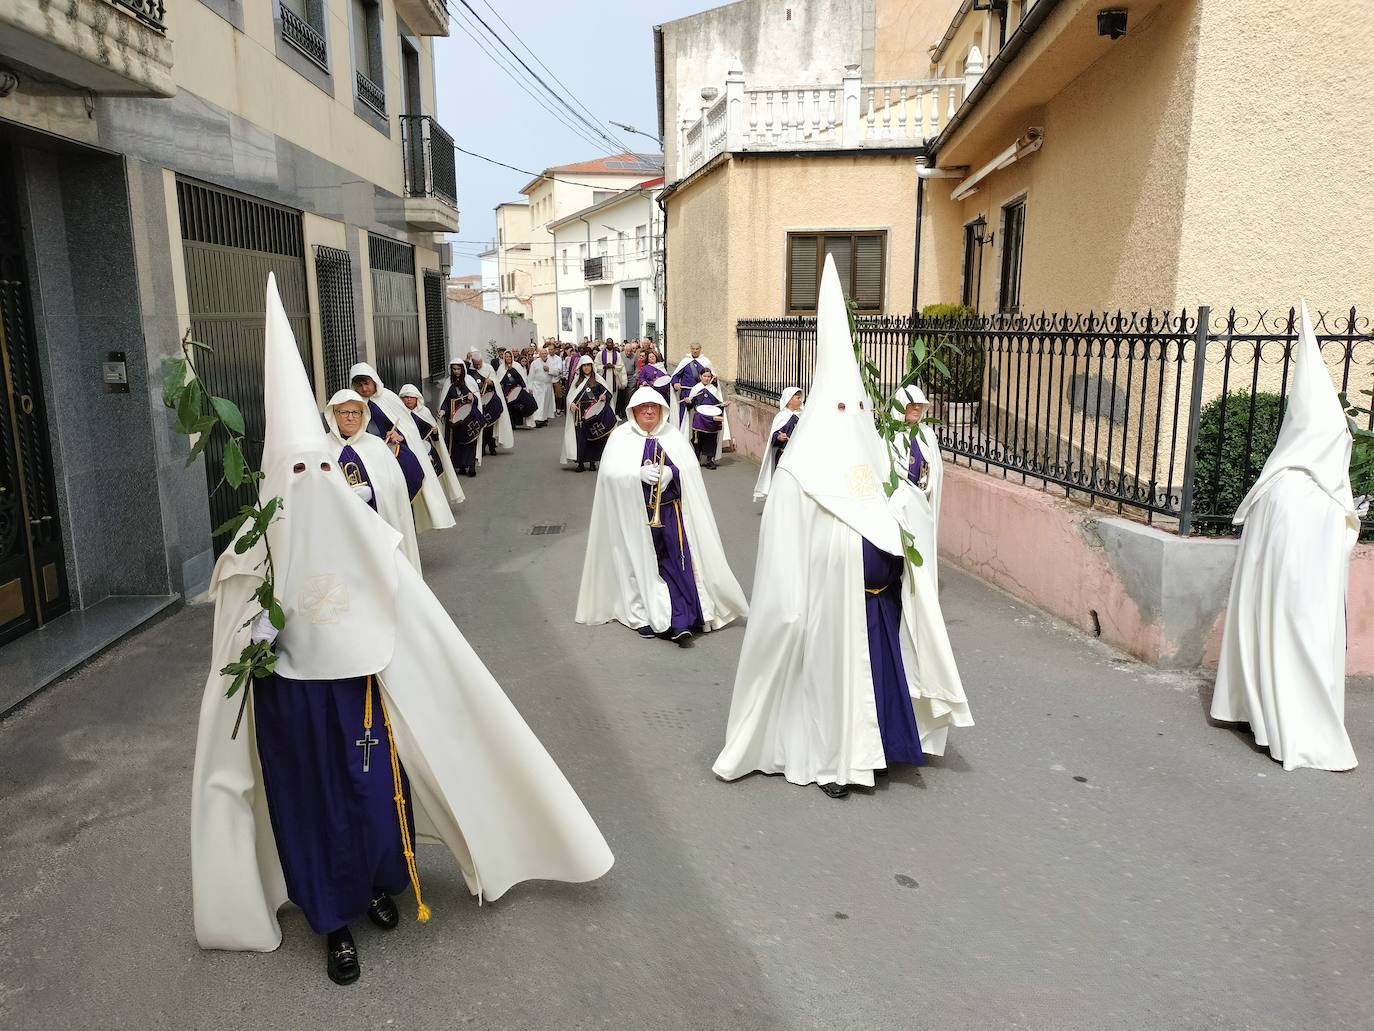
(157, 161)
(558, 193)
(613, 293)
(514, 263)
(491, 281)
(465, 290)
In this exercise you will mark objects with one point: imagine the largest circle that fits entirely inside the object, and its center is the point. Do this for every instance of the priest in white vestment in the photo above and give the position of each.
(1282, 664)
(545, 369)
(379, 728)
(370, 468)
(831, 686)
(669, 580)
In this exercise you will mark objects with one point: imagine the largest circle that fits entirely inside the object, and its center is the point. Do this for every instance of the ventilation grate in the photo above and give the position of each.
(539, 529)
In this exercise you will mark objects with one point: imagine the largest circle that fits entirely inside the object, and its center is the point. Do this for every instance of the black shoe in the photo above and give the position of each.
(835, 790)
(881, 773)
(382, 912)
(580, 468)
(682, 638)
(646, 632)
(712, 464)
(593, 467)
(472, 471)
(341, 957)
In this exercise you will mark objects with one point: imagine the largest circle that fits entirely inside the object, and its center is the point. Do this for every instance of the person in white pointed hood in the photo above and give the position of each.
(433, 436)
(829, 688)
(370, 468)
(378, 728)
(779, 433)
(669, 580)
(1282, 663)
(389, 419)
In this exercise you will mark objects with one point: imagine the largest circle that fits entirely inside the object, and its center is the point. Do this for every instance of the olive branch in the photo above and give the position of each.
(921, 359)
(200, 415)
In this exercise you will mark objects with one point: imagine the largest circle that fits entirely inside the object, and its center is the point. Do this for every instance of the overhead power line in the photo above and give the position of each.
(543, 175)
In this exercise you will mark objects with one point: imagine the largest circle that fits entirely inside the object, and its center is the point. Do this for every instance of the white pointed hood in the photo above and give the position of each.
(836, 455)
(1314, 437)
(335, 559)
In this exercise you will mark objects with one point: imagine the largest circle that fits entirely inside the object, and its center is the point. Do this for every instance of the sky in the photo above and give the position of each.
(601, 50)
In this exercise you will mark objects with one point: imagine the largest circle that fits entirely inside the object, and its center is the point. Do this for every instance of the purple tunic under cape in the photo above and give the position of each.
(671, 546)
(883, 606)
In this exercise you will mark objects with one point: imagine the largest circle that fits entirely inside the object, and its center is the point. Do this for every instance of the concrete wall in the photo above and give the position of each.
(470, 327)
(774, 42)
(904, 32)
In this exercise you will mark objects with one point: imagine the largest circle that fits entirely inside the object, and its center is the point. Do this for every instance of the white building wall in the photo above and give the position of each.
(634, 258)
(491, 285)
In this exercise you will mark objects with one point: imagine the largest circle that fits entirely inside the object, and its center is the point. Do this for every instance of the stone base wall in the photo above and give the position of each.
(1155, 595)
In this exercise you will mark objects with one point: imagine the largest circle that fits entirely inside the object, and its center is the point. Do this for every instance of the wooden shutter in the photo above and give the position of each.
(868, 273)
(803, 277)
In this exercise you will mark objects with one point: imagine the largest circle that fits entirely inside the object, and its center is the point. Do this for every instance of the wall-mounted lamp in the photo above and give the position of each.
(980, 227)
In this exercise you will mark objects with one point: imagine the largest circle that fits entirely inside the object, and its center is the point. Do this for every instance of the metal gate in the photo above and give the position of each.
(231, 242)
(338, 331)
(434, 323)
(33, 578)
(395, 310)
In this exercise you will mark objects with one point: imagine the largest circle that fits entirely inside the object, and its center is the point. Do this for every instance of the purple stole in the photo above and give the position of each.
(355, 472)
(891, 692)
(430, 434)
(410, 465)
(780, 445)
(917, 458)
(671, 546)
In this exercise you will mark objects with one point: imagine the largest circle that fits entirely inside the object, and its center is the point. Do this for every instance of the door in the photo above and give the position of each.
(631, 322)
(33, 576)
(230, 243)
(395, 310)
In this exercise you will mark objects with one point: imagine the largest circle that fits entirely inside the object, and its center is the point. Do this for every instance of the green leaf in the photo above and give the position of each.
(173, 378)
(913, 556)
(940, 366)
(918, 348)
(201, 344)
(276, 615)
(188, 407)
(197, 448)
(240, 679)
(229, 413)
(234, 465)
(265, 596)
(231, 526)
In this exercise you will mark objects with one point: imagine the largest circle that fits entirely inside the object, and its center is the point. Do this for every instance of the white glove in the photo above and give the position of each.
(653, 475)
(666, 478)
(263, 630)
(363, 491)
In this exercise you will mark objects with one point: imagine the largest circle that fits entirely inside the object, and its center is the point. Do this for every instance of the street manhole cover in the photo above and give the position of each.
(539, 529)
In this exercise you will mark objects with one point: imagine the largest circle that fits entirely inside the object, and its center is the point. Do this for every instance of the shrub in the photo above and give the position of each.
(1224, 469)
(965, 359)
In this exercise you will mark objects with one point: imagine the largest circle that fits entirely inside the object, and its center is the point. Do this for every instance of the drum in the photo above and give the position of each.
(461, 413)
(491, 408)
(662, 382)
(711, 412)
(599, 419)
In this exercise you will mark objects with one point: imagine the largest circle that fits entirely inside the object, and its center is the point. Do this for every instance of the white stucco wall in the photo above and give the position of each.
(634, 271)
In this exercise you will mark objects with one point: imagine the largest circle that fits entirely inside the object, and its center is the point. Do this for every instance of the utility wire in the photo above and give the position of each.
(544, 175)
(552, 73)
(538, 78)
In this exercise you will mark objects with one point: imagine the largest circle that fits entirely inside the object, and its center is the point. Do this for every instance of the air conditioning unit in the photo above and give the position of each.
(445, 256)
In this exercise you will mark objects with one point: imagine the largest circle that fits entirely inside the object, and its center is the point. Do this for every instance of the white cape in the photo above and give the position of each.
(453, 489)
(803, 702)
(505, 431)
(480, 781)
(620, 579)
(715, 391)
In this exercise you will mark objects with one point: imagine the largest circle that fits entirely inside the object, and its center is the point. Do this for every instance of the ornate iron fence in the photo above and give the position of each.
(1165, 414)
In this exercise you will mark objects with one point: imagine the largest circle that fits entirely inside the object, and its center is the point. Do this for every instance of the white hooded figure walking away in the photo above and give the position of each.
(433, 435)
(370, 468)
(779, 433)
(669, 580)
(544, 372)
(379, 727)
(390, 419)
(830, 686)
(1282, 664)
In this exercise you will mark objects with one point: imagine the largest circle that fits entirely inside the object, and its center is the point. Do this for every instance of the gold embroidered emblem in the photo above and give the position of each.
(324, 598)
(862, 482)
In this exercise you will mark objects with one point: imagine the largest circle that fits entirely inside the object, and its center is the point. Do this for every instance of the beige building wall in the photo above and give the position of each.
(699, 273)
(904, 32)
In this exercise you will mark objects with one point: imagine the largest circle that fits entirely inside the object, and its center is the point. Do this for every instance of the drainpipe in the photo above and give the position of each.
(662, 340)
(924, 172)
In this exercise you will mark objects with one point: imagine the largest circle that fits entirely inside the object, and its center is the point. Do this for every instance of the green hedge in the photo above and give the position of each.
(1224, 470)
(965, 381)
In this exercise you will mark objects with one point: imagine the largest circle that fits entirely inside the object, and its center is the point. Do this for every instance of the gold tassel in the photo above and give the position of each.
(422, 913)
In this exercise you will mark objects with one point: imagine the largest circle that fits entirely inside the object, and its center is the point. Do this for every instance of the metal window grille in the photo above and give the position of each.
(371, 94)
(395, 310)
(338, 328)
(434, 322)
(213, 215)
(387, 255)
(150, 12)
(304, 37)
(430, 169)
(1165, 414)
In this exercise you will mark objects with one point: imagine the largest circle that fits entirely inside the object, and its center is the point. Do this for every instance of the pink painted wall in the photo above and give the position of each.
(1049, 552)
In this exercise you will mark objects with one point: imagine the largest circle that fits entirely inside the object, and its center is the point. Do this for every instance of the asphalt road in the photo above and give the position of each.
(1092, 855)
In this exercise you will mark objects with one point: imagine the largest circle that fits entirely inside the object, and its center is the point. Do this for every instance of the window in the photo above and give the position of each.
(859, 260)
(603, 246)
(620, 247)
(582, 255)
(1013, 237)
(565, 261)
(641, 240)
(967, 295)
(302, 25)
(599, 195)
(367, 54)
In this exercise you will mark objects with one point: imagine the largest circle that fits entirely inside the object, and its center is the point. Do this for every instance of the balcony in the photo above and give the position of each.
(371, 94)
(599, 270)
(431, 176)
(115, 48)
(304, 37)
(425, 17)
(848, 115)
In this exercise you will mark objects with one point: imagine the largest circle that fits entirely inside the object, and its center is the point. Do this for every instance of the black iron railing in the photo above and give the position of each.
(371, 94)
(304, 37)
(430, 170)
(151, 12)
(1165, 414)
(594, 269)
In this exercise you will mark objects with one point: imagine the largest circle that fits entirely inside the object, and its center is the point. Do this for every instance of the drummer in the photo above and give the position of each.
(653, 374)
(463, 423)
(707, 407)
(591, 417)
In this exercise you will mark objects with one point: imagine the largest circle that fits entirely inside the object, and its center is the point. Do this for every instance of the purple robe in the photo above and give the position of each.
(671, 546)
(519, 401)
(686, 378)
(349, 461)
(648, 374)
(461, 437)
(704, 428)
(891, 692)
(778, 446)
(379, 426)
(337, 831)
(429, 433)
(917, 459)
(593, 431)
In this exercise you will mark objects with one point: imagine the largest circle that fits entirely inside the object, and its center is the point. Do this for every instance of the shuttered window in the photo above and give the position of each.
(1013, 240)
(860, 261)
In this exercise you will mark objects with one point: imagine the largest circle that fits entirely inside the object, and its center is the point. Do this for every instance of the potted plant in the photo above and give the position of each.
(960, 390)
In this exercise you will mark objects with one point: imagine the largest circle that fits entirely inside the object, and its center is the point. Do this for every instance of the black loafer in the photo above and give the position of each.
(646, 632)
(682, 638)
(382, 912)
(835, 790)
(341, 957)
(580, 468)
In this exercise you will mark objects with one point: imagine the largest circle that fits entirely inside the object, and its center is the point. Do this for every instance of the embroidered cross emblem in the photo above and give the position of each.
(324, 598)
